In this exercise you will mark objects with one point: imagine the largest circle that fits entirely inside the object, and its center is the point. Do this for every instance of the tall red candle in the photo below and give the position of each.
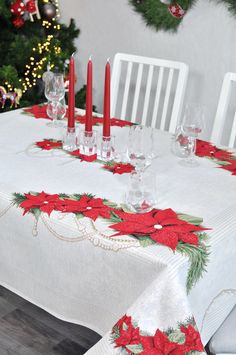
(106, 107)
(71, 94)
(89, 98)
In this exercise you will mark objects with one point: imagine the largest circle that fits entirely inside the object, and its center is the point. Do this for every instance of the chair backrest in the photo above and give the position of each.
(224, 128)
(148, 91)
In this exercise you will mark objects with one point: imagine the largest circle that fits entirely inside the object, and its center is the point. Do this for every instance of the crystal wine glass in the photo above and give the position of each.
(61, 109)
(140, 147)
(141, 191)
(54, 92)
(192, 125)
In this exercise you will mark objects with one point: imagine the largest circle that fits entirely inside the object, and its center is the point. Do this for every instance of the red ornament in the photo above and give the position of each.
(31, 6)
(18, 22)
(17, 8)
(176, 10)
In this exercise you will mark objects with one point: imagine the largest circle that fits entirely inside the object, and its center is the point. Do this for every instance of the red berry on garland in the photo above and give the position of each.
(18, 22)
(17, 8)
(31, 7)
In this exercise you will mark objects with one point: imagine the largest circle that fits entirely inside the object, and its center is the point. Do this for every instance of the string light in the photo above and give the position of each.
(33, 69)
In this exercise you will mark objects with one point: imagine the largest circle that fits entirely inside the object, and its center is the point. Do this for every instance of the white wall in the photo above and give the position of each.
(204, 41)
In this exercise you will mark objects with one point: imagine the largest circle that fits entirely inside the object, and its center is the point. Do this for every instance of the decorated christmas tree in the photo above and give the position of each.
(32, 39)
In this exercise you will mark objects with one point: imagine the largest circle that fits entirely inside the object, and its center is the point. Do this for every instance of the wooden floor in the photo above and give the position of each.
(28, 330)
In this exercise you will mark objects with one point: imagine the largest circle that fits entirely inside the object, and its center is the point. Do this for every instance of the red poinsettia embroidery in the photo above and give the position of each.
(120, 123)
(159, 344)
(89, 207)
(99, 120)
(231, 167)
(192, 339)
(206, 149)
(44, 202)
(48, 144)
(38, 111)
(119, 168)
(163, 226)
(128, 334)
(82, 119)
(89, 158)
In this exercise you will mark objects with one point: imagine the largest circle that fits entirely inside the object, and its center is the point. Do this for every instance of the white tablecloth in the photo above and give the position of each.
(80, 281)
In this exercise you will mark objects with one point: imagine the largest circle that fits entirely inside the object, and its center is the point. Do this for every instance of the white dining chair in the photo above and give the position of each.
(223, 341)
(224, 127)
(148, 91)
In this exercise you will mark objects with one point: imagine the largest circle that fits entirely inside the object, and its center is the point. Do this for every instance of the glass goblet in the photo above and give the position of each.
(192, 125)
(141, 191)
(54, 92)
(61, 109)
(140, 147)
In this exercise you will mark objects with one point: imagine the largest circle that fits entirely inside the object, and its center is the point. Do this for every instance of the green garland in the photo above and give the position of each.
(157, 15)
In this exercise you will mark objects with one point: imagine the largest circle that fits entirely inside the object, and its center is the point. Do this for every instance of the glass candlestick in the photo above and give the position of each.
(107, 148)
(70, 139)
(88, 143)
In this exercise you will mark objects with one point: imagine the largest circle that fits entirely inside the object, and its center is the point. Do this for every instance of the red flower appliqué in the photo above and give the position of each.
(89, 158)
(128, 334)
(125, 335)
(82, 119)
(38, 111)
(163, 226)
(206, 149)
(120, 123)
(48, 144)
(231, 167)
(45, 202)
(159, 344)
(192, 339)
(89, 207)
(99, 120)
(119, 168)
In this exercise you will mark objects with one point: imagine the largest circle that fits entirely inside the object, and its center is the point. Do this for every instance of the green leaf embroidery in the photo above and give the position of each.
(177, 337)
(190, 219)
(135, 348)
(146, 241)
(198, 258)
(222, 162)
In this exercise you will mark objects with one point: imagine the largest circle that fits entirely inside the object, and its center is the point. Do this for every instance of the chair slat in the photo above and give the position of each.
(138, 89)
(116, 71)
(167, 97)
(157, 97)
(137, 92)
(126, 91)
(222, 112)
(233, 133)
(147, 95)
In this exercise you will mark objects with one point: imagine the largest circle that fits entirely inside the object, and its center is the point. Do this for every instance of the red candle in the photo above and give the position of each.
(106, 107)
(89, 98)
(71, 94)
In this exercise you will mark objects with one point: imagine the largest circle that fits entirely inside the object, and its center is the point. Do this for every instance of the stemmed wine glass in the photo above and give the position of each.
(54, 92)
(192, 125)
(140, 147)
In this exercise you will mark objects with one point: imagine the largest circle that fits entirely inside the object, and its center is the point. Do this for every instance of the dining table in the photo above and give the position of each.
(70, 245)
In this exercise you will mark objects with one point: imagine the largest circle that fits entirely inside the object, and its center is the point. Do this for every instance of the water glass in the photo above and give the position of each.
(141, 192)
(192, 125)
(193, 120)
